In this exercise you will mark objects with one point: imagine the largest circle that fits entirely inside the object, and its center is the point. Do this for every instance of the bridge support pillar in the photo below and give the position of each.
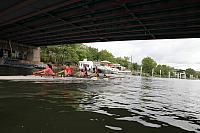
(34, 55)
(15, 53)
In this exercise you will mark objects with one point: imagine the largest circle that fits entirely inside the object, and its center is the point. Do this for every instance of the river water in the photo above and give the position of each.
(128, 105)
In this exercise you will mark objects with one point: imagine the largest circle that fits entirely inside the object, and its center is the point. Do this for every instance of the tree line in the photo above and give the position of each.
(63, 54)
(150, 67)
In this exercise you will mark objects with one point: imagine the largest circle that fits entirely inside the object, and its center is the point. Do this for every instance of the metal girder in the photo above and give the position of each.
(122, 22)
(113, 35)
(99, 7)
(93, 38)
(139, 21)
(16, 7)
(118, 38)
(47, 9)
(111, 30)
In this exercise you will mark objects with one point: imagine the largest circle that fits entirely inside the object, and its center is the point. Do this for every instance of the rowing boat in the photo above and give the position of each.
(46, 78)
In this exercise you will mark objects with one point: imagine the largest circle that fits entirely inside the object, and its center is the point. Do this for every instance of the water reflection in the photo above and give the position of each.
(125, 105)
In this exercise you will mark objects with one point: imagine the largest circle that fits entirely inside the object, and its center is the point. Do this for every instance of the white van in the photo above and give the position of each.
(89, 64)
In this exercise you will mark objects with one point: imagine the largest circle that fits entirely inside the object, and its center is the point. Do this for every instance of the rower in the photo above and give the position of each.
(47, 71)
(83, 71)
(70, 71)
(67, 70)
(95, 72)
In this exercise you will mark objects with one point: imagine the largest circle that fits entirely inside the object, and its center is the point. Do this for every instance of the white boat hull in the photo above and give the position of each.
(47, 78)
(32, 77)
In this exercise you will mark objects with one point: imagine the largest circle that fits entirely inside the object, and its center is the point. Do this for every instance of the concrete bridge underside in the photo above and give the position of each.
(47, 22)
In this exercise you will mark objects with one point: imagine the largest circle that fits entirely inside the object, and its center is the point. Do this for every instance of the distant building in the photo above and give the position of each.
(179, 73)
(118, 66)
(105, 63)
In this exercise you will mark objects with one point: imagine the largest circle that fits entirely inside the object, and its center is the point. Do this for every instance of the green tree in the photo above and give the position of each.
(148, 64)
(164, 70)
(62, 54)
(81, 52)
(105, 55)
(92, 54)
(198, 74)
(122, 61)
(59, 54)
(189, 72)
(157, 69)
(135, 66)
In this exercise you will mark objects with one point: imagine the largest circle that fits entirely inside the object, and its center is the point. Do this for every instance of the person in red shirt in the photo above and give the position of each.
(68, 71)
(47, 71)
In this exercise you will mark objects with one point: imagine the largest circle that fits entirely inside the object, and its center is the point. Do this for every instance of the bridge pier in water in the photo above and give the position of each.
(11, 52)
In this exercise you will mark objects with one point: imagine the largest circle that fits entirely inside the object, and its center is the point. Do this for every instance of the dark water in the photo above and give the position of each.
(9, 70)
(127, 105)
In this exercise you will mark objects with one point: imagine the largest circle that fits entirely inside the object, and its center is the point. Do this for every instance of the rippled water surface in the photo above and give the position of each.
(133, 104)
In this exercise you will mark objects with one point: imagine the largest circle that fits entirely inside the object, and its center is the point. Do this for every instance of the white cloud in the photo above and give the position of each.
(180, 53)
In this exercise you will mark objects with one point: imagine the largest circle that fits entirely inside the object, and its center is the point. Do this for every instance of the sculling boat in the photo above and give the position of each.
(48, 78)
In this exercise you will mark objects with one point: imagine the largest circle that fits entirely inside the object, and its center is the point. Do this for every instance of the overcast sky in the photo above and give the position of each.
(179, 53)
